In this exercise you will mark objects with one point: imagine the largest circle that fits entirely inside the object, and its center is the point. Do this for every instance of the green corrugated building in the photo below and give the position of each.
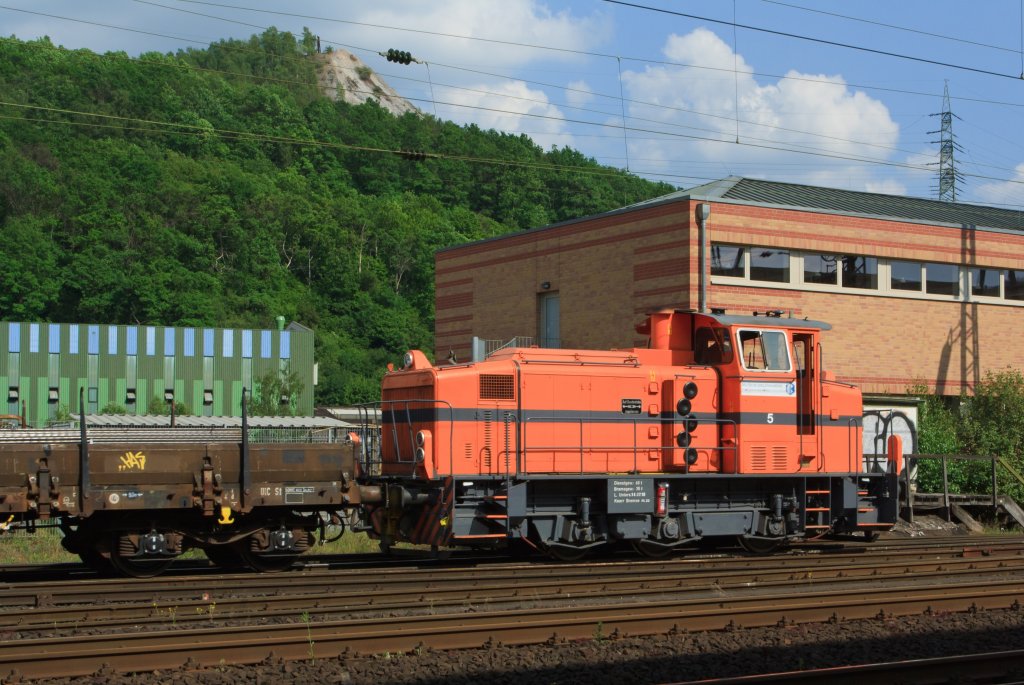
(43, 366)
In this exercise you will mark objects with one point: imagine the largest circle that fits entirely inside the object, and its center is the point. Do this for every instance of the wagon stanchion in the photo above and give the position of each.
(83, 463)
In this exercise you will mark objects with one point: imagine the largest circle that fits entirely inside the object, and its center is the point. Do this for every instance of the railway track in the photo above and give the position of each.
(324, 592)
(990, 667)
(325, 613)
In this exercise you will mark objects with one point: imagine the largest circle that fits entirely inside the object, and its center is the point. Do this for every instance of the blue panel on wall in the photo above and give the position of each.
(168, 342)
(73, 339)
(265, 344)
(94, 340)
(286, 345)
(189, 341)
(132, 340)
(247, 344)
(112, 340)
(54, 338)
(208, 342)
(150, 340)
(14, 337)
(33, 337)
(229, 343)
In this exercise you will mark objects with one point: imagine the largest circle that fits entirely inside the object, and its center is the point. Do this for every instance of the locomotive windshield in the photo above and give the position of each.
(764, 350)
(711, 346)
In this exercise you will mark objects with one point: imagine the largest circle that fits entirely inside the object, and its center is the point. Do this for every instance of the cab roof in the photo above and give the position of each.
(762, 319)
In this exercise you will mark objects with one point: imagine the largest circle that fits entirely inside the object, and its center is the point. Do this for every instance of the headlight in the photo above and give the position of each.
(407, 360)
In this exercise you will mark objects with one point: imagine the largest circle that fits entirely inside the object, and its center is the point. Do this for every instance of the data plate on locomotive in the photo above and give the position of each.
(630, 495)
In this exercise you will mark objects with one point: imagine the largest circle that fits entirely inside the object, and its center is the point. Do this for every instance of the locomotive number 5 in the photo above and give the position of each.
(771, 418)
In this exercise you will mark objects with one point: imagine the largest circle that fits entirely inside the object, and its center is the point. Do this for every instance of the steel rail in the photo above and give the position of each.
(988, 667)
(395, 579)
(80, 655)
(413, 599)
(93, 590)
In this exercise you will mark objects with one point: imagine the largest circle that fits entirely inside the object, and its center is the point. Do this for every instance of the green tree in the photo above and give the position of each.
(277, 393)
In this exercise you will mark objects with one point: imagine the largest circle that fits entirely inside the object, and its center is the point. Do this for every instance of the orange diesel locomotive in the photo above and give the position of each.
(724, 426)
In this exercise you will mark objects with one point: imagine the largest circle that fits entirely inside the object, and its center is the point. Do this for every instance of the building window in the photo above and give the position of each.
(905, 276)
(821, 269)
(985, 282)
(768, 264)
(860, 272)
(1013, 285)
(728, 260)
(942, 279)
(549, 328)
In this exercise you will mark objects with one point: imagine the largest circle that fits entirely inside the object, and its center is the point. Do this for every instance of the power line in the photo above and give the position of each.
(822, 41)
(643, 60)
(892, 26)
(504, 95)
(698, 138)
(347, 146)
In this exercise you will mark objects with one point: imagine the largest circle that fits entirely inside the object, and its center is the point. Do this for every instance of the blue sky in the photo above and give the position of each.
(690, 87)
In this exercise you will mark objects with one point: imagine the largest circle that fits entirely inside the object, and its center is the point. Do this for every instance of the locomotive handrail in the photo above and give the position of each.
(633, 361)
(387, 411)
(853, 452)
(635, 447)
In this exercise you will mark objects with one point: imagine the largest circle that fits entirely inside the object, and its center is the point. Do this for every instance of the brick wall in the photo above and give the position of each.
(612, 269)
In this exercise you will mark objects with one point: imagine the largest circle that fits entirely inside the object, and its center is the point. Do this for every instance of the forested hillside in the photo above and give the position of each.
(217, 187)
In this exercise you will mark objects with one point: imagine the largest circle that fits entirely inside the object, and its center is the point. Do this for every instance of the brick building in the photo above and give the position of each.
(918, 291)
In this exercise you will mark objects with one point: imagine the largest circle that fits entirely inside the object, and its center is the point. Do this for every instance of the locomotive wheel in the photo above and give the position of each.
(645, 549)
(565, 552)
(870, 535)
(227, 557)
(756, 545)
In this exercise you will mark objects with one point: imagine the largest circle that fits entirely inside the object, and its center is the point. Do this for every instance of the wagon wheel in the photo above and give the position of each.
(265, 562)
(757, 545)
(645, 549)
(227, 557)
(142, 567)
(96, 561)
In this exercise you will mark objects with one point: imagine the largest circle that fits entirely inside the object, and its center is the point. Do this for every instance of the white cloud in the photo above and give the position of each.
(512, 107)
(791, 113)
(1009, 192)
(579, 93)
(886, 186)
(529, 22)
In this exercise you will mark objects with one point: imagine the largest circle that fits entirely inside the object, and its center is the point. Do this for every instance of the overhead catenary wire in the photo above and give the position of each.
(873, 22)
(644, 60)
(504, 95)
(812, 39)
(863, 160)
(180, 127)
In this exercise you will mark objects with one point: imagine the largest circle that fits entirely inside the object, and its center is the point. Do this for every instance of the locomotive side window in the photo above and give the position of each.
(764, 350)
(712, 346)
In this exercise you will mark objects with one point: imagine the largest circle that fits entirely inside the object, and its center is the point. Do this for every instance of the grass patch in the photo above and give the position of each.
(18, 546)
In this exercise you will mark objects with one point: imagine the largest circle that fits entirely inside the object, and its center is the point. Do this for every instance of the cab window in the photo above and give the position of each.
(712, 346)
(764, 350)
